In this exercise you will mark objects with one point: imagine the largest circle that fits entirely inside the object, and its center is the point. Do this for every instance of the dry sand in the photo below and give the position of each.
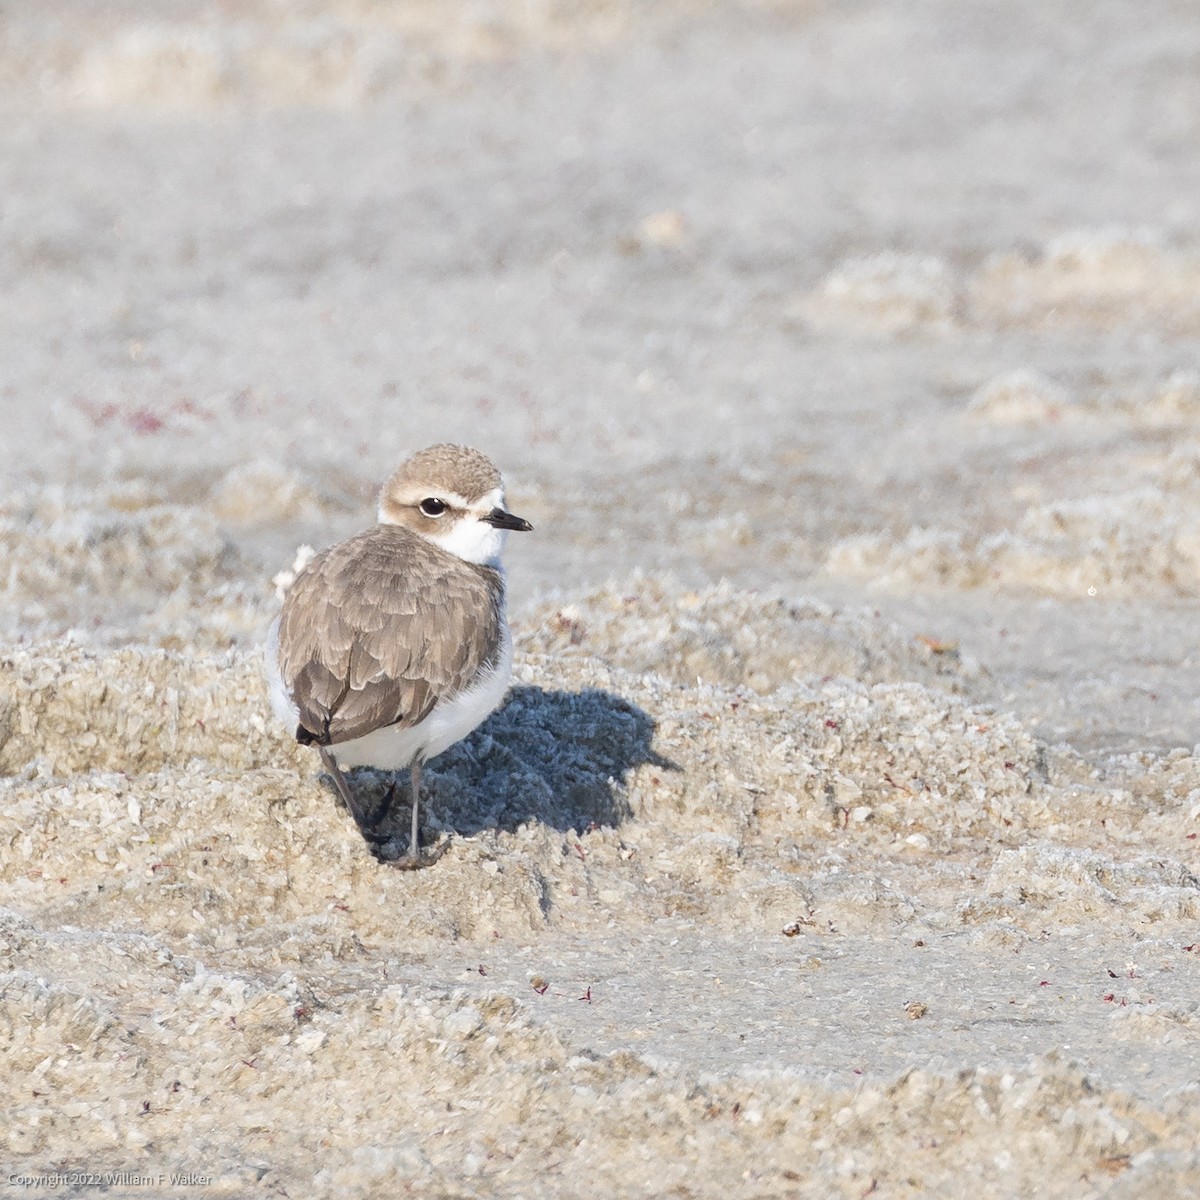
(839, 837)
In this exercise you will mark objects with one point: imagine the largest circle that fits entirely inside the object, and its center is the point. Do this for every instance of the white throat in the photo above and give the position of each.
(472, 540)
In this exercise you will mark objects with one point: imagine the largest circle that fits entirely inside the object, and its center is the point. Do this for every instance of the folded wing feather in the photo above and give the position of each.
(378, 628)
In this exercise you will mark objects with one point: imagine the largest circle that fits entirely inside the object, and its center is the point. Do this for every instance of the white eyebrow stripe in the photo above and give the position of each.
(493, 499)
(453, 499)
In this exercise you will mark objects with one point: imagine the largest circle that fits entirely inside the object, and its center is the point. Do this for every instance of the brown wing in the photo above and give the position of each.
(376, 629)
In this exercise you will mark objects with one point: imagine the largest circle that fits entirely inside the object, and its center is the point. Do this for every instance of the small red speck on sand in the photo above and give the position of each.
(1192, 946)
(587, 996)
(142, 420)
(830, 723)
(1044, 983)
(482, 969)
(1109, 998)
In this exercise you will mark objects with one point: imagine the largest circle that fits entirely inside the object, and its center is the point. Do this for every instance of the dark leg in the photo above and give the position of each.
(414, 859)
(414, 846)
(339, 780)
(367, 822)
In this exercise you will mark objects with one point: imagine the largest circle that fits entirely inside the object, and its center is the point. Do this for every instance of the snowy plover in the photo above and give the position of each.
(393, 645)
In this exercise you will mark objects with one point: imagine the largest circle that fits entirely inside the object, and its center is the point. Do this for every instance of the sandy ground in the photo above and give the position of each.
(839, 837)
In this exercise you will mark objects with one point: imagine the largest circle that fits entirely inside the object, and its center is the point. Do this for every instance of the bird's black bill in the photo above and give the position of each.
(505, 520)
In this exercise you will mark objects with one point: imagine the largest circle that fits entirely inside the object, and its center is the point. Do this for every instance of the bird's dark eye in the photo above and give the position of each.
(433, 507)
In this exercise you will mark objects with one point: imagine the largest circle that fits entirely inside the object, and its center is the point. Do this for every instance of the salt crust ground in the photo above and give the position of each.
(193, 928)
(727, 295)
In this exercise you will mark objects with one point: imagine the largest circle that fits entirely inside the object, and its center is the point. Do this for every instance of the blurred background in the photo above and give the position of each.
(893, 305)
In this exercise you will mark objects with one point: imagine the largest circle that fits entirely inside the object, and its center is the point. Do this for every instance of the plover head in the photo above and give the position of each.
(452, 496)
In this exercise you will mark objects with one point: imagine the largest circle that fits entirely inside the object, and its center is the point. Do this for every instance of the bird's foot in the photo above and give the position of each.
(415, 860)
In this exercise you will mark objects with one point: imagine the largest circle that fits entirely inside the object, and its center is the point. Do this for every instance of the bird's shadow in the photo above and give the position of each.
(556, 757)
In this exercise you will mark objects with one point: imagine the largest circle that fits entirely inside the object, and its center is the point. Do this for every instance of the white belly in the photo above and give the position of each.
(392, 748)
